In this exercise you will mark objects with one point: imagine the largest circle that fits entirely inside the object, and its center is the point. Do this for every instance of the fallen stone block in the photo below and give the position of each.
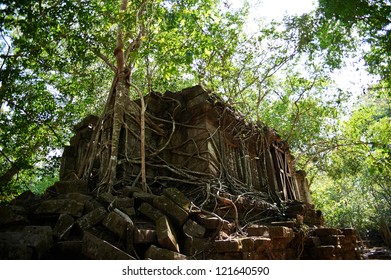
(349, 231)
(118, 222)
(97, 249)
(149, 211)
(191, 228)
(39, 238)
(178, 197)
(327, 231)
(247, 244)
(280, 243)
(71, 186)
(61, 206)
(106, 200)
(68, 250)
(165, 235)
(79, 197)
(196, 246)
(92, 218)
(212, 222)
(228, 245)
(144, 236)
(325, 252)
(155, 253)
(144, 197)
(280, 231)
(123, 202)
(9, 217)
(63, 226)
(262, 244)
(258, 230)
(330, 240)
(312, 241)
(15, 252)
(169, 208)
(128, 211)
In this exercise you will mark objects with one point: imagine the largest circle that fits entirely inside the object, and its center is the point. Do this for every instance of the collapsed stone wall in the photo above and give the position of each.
(219, 188)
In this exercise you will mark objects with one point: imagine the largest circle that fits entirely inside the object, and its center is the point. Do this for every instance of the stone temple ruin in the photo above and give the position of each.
(219, 188)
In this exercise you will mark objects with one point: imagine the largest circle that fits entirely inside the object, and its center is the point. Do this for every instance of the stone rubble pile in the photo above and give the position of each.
(69, 222)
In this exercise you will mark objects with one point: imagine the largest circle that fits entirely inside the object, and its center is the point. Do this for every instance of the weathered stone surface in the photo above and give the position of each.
(173, 211)
(280, 231)
(155, 253)
(9, 217)
(280, 243)
(149, 211)
(323, 252)
(97, 249)
(258, 230)
(68, 250)
(106, 199)
(326, 231)
(123, 202)
(166, 235)
(91, 218)
(247, 244)
(228, 245)
(178, 197)
(196, 246)
(72, 186)
(61, 206)
(143, 196)
(191, 228)
(261, 244)
(144, 236)
(212, 222)
(39, 238)
(63, 226)
(118, 222)
(331, 239)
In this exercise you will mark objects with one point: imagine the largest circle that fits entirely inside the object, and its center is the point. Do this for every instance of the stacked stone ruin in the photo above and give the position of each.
(230, 192)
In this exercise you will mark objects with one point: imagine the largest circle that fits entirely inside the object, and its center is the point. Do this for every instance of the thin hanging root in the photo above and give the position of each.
(227, 201)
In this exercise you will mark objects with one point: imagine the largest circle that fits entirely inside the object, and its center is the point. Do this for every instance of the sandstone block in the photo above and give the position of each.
(144, 197)
(71, 186)
(258, 230)
(330, 239)
(97, 249)
(9, 217)
(325, 252)
(195, 246)
(191, 228)
(247, 244)
(288, 224)
(165, 235)
(155, 253)
(117, 222)
(106, 199)
(61, 206)
(261, 244)
(178, 197)
(39, 238)
(173, 211)
(63, 226)
(149, 211)
(228, 245)
(92, 218)
(123, 202)
(280, 231)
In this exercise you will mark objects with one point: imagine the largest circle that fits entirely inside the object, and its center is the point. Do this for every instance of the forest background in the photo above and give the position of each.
(57, 63)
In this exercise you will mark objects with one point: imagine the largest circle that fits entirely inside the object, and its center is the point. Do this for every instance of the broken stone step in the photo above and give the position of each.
(156, 253)
(61, 206)
(191, 228)
(92, 218)
(178, 197)
(169, 208)
(97, 249)
(166, 235)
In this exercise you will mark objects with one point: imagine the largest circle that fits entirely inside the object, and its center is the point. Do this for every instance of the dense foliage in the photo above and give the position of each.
(57, 64)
